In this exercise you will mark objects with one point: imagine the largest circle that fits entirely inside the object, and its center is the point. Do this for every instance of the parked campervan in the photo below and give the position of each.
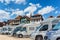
(27, 30)
(15, 29)
(53, 34)
(47, 25)
(6, 30)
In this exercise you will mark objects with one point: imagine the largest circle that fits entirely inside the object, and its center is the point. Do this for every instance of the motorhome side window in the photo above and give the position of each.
(44, 28)
(53, 26)
(24, 29)
(31, 28)
(4, 29)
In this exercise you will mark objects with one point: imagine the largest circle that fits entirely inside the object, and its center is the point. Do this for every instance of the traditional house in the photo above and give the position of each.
(36, 18)
(2, 24)
(18, 20)
(15, 21)
(18, 17)
(25, 19)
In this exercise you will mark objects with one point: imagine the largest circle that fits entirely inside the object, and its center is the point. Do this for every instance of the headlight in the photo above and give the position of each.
(17, 32)
(53, 33)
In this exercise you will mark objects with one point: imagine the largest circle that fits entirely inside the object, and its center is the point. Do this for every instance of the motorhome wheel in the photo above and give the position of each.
(39, 38)
(20, 36)
(58, 38)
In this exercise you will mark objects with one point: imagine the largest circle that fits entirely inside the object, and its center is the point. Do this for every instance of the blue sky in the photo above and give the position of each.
(9, 9)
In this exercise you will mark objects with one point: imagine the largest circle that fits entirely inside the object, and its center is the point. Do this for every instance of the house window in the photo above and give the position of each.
(24, 20)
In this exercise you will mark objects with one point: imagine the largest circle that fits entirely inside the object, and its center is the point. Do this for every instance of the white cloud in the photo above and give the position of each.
(1, 20)
(19, 12)
(28, 14)
(32, 8)
(7, 1)
(37, 5)
(4, 15)
(45, 10)
(15, 1)
(9, 9)
(20, 1)
(17, 9)
(1, 1)
(56, 12)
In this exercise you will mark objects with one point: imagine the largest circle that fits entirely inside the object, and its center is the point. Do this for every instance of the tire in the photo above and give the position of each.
(58, 38)
(39, 38)
(20, 36)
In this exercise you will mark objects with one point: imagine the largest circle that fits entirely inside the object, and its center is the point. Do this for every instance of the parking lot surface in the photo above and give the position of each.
(6, 37)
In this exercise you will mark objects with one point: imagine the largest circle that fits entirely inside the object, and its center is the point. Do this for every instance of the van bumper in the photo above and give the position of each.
(32, 37)
(49, 38)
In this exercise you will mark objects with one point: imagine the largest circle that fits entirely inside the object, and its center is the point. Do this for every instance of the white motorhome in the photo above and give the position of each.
(27, 30)
(41, 31)
(6, 29)
(53, 34)
(15, 29)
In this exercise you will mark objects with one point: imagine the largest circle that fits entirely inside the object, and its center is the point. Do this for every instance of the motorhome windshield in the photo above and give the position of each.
(20, 29)
(38, 27)
(57, 26)
(23, 29)
(44, 28)
(9, 29)
(17, 29)
(4, 29)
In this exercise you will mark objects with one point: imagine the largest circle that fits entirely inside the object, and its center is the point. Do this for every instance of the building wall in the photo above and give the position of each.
(18, 20)
(37, 18)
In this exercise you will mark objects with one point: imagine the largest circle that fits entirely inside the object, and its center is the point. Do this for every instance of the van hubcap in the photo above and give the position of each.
(20, 35)
(39, 38)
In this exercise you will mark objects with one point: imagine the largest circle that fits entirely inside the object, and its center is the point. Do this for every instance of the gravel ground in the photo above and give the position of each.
(6, 37)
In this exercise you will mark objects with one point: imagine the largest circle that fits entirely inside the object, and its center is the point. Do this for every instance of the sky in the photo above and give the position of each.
(10, 9)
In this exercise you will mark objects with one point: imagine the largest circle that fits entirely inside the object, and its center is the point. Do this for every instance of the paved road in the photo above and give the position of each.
(6, 37)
